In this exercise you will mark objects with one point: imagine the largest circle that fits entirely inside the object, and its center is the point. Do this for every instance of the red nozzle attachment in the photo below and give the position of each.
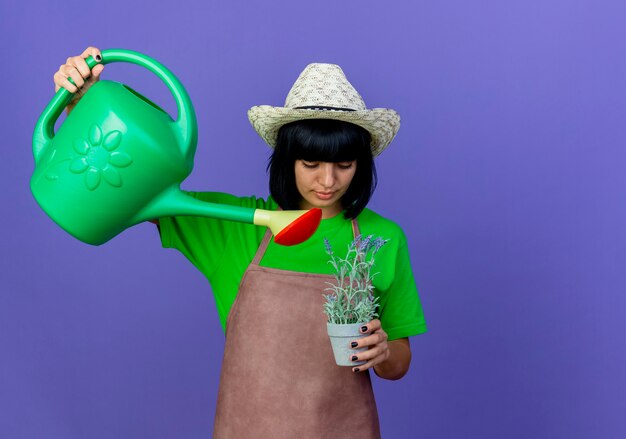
(301, 229)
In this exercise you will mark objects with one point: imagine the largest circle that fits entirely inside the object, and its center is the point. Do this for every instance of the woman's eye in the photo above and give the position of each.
(345, 165)
(309, 164)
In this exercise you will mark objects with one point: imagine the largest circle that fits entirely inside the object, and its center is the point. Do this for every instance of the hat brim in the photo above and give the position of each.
(382, 123)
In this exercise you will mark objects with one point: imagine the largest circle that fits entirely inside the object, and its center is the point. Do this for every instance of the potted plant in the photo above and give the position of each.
(351, 302)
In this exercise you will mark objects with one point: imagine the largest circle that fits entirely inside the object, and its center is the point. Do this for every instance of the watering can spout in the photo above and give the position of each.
(289, 227)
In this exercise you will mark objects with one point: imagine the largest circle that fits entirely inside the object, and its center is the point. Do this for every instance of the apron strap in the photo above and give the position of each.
(261, 250)
(268, 236)
(355, 228)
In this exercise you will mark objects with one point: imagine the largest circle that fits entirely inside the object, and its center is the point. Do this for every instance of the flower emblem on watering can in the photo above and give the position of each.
(98, 159)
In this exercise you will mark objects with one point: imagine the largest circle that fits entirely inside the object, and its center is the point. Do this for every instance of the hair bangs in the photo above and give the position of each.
(326, 140)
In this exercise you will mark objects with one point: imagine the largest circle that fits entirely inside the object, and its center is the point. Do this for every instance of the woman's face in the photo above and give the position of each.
(322, 184)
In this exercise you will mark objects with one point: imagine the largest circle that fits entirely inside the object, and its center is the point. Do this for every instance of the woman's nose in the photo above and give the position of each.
(328, 174)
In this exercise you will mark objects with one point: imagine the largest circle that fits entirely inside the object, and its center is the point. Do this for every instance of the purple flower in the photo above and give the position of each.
(365, 244)
(378, 243)
(329, 248)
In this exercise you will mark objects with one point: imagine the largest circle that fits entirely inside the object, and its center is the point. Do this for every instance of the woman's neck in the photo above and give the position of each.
(327, 211)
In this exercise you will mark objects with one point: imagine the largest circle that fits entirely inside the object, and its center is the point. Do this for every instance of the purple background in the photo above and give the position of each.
(507, 176)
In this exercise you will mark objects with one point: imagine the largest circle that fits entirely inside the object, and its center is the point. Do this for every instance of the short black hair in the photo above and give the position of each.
(323, 140)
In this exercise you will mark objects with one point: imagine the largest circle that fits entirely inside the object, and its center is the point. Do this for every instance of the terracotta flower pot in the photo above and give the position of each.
(341, 335)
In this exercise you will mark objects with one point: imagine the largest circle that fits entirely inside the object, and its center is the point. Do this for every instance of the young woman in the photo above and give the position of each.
(279, 378)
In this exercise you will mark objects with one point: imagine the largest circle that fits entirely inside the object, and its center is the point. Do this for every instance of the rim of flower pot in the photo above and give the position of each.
(345, 329)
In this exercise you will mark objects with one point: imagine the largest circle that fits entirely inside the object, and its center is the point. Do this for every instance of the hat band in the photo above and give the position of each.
(317, 107)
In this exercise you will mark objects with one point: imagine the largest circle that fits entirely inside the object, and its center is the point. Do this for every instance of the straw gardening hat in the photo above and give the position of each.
(323, 92)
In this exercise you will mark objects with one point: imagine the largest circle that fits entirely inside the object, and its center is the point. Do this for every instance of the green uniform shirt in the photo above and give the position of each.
(222, 250)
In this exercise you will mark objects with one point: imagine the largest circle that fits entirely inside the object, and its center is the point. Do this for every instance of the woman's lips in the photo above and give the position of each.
(324, 195)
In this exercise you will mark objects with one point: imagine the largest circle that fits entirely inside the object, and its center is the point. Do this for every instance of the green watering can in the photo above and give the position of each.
(119, 159)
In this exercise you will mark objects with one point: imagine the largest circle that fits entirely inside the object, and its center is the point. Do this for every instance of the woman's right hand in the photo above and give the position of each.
(76, 68)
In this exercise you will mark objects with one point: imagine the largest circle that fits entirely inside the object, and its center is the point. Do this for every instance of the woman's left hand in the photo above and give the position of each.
(376, 341)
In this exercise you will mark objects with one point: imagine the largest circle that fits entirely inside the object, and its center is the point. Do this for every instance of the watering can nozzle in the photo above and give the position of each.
(289, 227)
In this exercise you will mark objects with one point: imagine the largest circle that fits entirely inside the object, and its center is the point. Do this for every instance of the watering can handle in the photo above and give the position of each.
(187, 127)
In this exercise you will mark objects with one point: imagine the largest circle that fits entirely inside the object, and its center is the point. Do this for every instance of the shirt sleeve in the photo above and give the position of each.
(400, 308)
(201, 240)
